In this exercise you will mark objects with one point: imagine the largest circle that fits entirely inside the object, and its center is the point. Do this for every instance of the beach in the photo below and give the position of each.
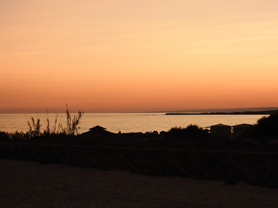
(31, 184)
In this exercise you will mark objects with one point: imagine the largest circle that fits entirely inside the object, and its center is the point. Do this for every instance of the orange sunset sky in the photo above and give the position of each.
(137, 56)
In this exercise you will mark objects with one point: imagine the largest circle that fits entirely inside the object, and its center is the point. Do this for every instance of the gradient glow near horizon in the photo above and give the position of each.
(137, 56)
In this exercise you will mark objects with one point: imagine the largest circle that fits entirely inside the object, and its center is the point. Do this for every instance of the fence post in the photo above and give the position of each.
(142, 160)
(197, 164)
(119, 161)
(101, 157)
(230, 166)
(68, 154)
(19, 152)
(269, 164)
(167, 161)
(84, 155)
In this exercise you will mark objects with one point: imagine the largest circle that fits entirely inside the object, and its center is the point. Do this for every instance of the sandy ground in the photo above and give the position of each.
(31, 184)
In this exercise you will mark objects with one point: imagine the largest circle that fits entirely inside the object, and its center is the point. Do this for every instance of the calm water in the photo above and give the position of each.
(127, 122)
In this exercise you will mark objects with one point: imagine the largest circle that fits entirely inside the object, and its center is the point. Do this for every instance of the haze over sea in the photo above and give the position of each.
(125, 122)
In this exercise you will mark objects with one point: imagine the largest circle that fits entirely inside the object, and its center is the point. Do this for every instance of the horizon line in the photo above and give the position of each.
(162, 111)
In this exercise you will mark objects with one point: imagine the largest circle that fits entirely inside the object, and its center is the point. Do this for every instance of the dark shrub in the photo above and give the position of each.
(3, 136)
(266, 127)
(190, 132)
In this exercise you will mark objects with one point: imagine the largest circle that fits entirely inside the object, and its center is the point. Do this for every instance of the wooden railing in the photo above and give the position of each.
(258, 168)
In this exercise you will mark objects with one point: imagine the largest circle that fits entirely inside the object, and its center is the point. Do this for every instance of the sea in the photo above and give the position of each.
(125, 122)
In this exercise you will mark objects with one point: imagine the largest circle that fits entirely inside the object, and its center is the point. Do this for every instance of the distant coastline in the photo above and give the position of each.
(267, 112)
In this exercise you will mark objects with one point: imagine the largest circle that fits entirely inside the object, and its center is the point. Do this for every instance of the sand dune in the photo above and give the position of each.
(31, 184)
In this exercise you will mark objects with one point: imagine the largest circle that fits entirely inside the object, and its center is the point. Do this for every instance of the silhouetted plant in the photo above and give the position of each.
(34, 127)
(70, 129)
(266, 127)
(190, 132)
(195, 132)
(19, 135)
(47, 130)
(72, 124)
(57, 128)
(3, 136)
(175, 131)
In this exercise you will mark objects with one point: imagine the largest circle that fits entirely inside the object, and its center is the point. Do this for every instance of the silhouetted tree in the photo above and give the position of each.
(190, 132)
(266, 127)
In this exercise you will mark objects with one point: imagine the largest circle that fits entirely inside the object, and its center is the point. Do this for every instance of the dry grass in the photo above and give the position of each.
(35, 130)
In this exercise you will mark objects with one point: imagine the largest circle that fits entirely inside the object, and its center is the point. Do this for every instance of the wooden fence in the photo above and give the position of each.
(258, 168)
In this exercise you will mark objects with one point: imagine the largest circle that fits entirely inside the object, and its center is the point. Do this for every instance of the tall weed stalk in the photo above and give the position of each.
(34, 127)
(70, 129)
(72, 124)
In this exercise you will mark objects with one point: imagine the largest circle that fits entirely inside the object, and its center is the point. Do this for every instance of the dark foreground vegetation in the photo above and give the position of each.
(263, 136)
(190, 151)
